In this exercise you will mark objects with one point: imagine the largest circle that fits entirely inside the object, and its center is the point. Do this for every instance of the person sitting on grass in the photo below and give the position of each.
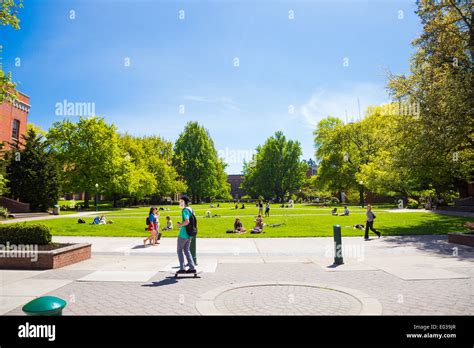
(238, 227)
(334, 212)
(96, 220)
(169, 224)
(258, 224)
(103, 220)
(346, 211)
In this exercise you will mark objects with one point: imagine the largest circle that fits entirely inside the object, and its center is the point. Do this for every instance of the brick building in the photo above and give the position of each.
(13, 119)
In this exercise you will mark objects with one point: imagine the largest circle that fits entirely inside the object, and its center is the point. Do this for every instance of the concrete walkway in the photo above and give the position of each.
(423, 245)
(49, 217)
(391, 275)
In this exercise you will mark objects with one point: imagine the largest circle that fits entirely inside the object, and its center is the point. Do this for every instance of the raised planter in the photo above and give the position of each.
(29, 258)
(462, 238)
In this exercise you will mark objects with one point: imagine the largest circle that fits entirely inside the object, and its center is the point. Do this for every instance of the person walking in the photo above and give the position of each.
(267, 209)
(369, 224)
(260, 207)
(184, 240)
(151, 221)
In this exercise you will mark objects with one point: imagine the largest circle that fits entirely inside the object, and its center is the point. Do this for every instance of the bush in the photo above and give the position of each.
(3, 213)
(412, 203)
(22, 233)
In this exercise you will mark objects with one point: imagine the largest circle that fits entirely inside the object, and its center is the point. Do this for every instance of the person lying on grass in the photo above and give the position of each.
(277, 225)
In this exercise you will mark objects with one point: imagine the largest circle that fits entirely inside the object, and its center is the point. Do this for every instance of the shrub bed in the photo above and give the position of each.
(22, 233)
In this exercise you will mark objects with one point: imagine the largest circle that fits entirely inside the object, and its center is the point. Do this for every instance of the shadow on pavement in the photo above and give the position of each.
(437, 245)
(166, 281)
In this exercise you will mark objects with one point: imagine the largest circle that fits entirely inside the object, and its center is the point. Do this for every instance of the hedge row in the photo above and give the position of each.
(22, 233)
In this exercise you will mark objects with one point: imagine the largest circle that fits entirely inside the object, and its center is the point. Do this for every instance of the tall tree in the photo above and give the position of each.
(440, 138)
(196, 160)
(33, 173)
(276, 170)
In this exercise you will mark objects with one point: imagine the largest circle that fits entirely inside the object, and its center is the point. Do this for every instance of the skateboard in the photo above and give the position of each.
(187, 275)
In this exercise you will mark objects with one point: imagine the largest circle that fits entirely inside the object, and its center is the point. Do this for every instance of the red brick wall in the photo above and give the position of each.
(48, 260)
(11, 111)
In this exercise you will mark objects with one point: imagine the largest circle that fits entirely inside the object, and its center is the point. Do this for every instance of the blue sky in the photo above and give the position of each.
(290, 74)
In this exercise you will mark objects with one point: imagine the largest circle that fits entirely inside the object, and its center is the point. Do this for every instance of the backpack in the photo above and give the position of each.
(147, 220)
(191, 228)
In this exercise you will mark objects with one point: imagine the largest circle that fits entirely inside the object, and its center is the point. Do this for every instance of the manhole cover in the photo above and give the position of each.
(286, 300)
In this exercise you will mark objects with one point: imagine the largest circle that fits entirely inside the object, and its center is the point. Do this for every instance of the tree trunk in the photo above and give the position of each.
(86, 199)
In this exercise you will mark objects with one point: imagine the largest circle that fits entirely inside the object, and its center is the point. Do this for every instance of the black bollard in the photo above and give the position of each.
(337, 245)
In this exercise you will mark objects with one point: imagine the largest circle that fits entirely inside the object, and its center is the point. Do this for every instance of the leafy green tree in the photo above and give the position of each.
(3, 184)
(276, 170)
(153, 173)
(90, 153)
(439, 140)
(33, 173)
(196, 160)
(335, 171)
(8, 17)
(382, 174)
(361, 151)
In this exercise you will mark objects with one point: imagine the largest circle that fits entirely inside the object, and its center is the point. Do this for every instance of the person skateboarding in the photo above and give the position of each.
(184, 240)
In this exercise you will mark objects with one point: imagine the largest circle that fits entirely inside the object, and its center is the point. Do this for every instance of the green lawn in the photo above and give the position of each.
(301, 221)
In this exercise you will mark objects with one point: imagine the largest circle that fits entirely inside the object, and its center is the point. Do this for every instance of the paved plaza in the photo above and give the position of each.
(257, 276)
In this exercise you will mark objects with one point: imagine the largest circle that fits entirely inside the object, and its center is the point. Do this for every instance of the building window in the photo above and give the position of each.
(16, 130)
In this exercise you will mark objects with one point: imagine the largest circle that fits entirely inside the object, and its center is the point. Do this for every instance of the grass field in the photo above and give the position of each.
(301, 221)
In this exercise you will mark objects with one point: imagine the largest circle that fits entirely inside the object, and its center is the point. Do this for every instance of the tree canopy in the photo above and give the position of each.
(197, 162)
(276, 170)
(8, 17)
(33, 173)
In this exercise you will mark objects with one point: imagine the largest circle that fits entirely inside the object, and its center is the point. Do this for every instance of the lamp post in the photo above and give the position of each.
(361, 183)
(96, 196)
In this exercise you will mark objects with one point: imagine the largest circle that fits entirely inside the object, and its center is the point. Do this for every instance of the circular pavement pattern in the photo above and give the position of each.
(286, 298)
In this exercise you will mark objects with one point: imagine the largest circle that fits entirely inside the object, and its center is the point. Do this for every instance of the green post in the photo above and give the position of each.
(337, 245)
(193, 249)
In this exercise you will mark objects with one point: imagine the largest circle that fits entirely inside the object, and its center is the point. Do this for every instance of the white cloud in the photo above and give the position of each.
(226, 102)
(324, 103)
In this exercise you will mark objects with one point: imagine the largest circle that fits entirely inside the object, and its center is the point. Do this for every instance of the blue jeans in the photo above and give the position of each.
(183, 248)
